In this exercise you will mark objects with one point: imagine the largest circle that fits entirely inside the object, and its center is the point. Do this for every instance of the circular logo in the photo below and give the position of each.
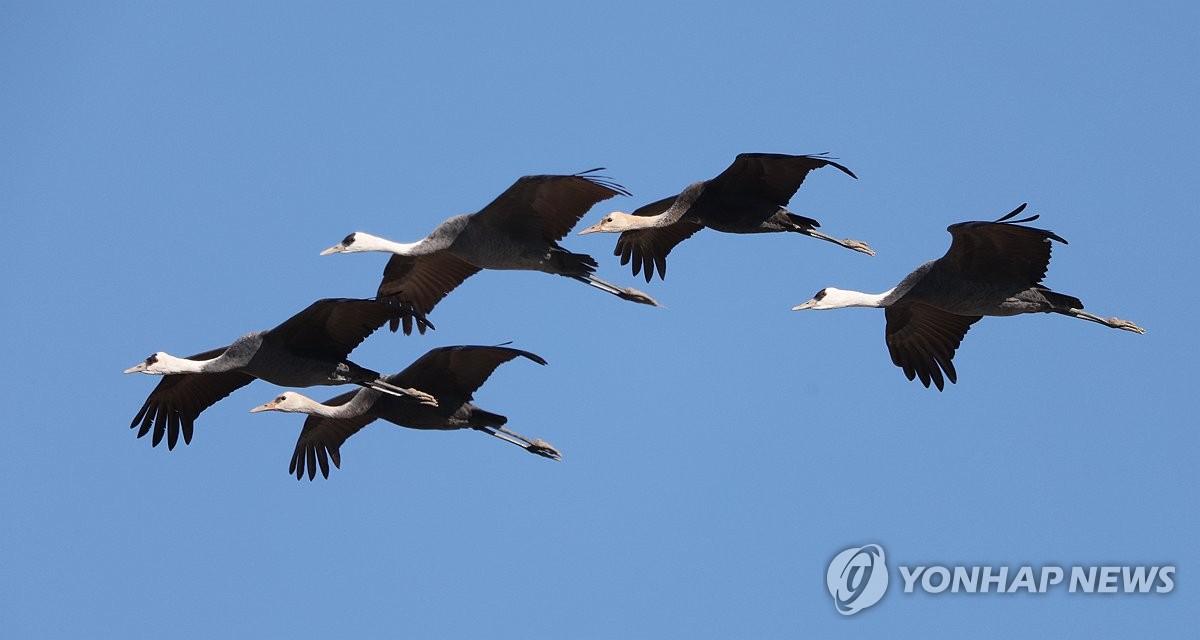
(857, 578)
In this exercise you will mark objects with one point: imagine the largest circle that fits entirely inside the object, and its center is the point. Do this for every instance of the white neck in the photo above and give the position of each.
(304, 404)
(368, 242)
(646, 222)
(168, 364)
(870, 299)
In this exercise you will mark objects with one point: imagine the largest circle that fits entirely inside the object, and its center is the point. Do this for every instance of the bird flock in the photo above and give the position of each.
(991, 269)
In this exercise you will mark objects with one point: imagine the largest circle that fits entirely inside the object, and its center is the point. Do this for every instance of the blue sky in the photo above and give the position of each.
(169, 173)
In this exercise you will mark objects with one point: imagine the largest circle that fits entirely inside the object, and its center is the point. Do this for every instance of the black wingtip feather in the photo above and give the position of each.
(1014, 212)
(535, 357)
(173, 431)
(140, 414)
(1049, 234)
(603, 181)
(406, 315)
(160, 426)
(844, 169)
(147, 421)
(323, 458)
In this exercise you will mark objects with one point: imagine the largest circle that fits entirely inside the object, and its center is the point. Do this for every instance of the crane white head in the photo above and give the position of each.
(616, 222)
(357, 241)
(161, 364)
(831, 298)
(288, 402)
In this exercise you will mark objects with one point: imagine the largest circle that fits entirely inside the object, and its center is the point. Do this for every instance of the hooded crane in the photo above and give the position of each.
(308, 349)
(519, 230)
(451, 374)
(748, 197)
(992, 269)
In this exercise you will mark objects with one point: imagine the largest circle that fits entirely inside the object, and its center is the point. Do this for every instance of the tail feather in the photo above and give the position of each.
(572, 264)
(481, 418)
(804, 224)
(1061, 300)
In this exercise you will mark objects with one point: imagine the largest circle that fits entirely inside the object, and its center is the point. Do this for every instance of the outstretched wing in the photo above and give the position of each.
(547, 206)
(648, 248)
(321, 438)
(774, 176)
(1000, 251)
(178, 399)
(455, 373)
(422, 281)
(922, 340)
(332, 327)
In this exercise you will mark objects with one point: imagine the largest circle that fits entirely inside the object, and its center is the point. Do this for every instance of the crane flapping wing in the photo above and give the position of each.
(321, 438)
(548, 206)
(922, 340)
(648, 248)
(331, 328)
(455, 373)
(1001, 251)
(422, 282)
(772, 175)
(176, 401)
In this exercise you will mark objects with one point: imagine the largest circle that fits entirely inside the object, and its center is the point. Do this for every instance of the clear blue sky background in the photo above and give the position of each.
(169, 172)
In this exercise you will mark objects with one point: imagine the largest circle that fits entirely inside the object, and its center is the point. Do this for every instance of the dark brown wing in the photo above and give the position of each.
(648, 248)
(547, 206)
(178, 399)
(455, 373)
(422, 281)
(1000, 251)
(331, 328)
(321, 438)
(922, 340)
(774, 176)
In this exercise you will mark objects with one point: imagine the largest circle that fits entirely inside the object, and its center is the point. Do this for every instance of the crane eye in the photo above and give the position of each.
(820, 294)
(348, 240)
(152, 359)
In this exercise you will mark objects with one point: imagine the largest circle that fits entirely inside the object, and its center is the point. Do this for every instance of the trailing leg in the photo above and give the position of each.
(855, 245)
(1115, 323)
(808, 227)
(624, 293)
(538, 446)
